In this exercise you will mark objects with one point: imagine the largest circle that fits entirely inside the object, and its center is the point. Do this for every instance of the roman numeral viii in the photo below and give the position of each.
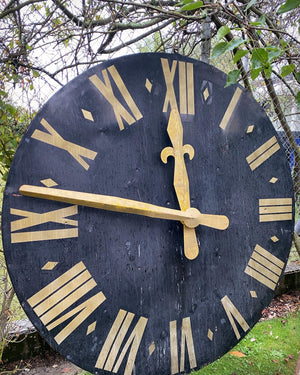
(51, 137)
(186, 86)
(264, 267)
(108, 358)
(31, 219)
(58, 297)
(106, 90)
(186, 341)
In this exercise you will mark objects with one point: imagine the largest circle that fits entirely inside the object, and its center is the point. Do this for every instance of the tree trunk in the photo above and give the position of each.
(286, 128)
(206, 41)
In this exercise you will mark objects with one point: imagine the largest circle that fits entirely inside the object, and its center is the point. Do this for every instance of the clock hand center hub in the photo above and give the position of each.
(197, 218)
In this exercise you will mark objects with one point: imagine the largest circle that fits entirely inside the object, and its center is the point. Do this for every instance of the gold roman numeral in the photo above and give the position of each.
(107, 359)
(233, 313)
(186, 341)
(54, 139)
(263, 153)
(186, 86)
(106, 90)
(59, 295)
(264, 267)
(31, 219)
(229, 111)
(277, 209)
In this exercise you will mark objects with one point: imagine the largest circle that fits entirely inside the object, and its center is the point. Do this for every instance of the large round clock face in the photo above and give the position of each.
(112, 288)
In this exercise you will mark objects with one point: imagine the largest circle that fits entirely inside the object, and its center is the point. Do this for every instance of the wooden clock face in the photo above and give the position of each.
(123, 292)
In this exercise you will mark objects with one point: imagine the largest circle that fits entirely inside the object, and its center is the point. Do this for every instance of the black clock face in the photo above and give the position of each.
(123, 292)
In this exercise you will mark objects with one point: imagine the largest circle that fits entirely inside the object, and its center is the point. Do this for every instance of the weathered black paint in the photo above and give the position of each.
(136, 261)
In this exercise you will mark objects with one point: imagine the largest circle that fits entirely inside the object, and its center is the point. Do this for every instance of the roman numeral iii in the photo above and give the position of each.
(109, 358)
(264, 267)
(186, 86)
(59, 295)
(51, 137)
(31, 219)
(276, 209)
(106, 90)
(186, 342)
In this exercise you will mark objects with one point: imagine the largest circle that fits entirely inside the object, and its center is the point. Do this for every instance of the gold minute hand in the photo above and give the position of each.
(192, 217)
(181, 180)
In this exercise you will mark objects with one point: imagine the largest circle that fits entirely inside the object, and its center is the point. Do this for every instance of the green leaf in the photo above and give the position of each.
(235, 43)
(259, 57)
(252, 2)
(273, 53)
(232, 77)
(255, 73)
(283, 43)
(222, 47)
(35, 73)
(287, 69)
(298, 99)
(192, 6)
(219, 49)
(239, 54)
(297, 75)
(3, 93)
(260, 22)
(268, 70)
(289, 5)
(223, 30)
(183, 3)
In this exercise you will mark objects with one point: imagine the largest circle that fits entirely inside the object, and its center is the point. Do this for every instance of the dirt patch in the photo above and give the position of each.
(51, 363)
(282, 305)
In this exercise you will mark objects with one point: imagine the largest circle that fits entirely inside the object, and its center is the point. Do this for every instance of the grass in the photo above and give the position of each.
(271, 348)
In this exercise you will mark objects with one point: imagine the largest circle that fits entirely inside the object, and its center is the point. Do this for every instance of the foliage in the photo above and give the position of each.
(13, 122)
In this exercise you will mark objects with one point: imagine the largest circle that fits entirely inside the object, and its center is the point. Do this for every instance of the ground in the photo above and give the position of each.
(51, 363)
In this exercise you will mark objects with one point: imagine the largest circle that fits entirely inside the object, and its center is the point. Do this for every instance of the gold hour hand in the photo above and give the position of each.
(181, 181)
